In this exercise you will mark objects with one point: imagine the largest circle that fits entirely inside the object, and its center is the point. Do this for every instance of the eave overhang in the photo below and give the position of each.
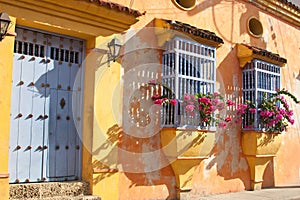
(247, 53)
(84, 17)
(167, 29)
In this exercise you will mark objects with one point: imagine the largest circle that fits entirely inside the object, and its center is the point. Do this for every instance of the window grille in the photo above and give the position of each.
(29, 49)
(187, 67)
(38, 50)
(259, 79)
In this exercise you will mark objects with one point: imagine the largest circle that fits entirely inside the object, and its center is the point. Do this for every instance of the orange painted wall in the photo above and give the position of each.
(226, 170)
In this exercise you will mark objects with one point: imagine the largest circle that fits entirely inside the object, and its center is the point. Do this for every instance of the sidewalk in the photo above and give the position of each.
(278, 193)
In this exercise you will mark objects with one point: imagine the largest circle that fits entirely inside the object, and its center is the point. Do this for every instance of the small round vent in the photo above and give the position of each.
(185, 4)
(255, 27)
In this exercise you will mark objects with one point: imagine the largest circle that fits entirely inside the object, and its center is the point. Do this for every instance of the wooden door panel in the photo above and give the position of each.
(44, 142)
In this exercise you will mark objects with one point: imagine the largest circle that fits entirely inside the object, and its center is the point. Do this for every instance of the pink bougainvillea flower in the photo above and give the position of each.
(187, 97)
(282, 111)
(279, 117)
(190, 108)
(228, 119)
(291, 120)
(158, 101)
(193, 98)
(205, 119)
(290, 113)
(230, 103)
(215, 101)
(265, 113)
(216, 94)
(173, 102)
(204, 100)
(213, 108)
(154, 97)
(252, 110)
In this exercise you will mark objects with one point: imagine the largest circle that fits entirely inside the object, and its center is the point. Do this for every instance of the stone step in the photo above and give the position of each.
(76, 190)
(85, 197)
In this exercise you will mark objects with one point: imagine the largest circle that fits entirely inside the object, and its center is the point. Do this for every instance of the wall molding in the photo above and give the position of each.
(286, 11)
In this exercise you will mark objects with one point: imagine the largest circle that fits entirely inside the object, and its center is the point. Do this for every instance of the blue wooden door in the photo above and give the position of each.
(45, 107)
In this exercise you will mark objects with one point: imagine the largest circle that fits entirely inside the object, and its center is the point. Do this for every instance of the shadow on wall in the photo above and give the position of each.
(227, 152)
(245, 27)
(146, 179)
(229, 159)
(203, 6)
(232, 24)
(140, 153)
(127, 147)
(112, 134)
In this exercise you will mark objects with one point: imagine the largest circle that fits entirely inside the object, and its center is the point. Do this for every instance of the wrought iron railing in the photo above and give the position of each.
(187, 67)
(259, 79)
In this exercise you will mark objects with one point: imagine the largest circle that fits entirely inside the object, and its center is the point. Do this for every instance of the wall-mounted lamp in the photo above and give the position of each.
(114, 47)
(4, 23)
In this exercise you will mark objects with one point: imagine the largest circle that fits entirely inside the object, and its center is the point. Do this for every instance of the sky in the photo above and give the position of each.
(296, 2)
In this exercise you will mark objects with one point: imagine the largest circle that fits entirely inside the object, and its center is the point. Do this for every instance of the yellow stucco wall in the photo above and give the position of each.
(85, 20)
(6, 62)
(107, 128)
(226, 170)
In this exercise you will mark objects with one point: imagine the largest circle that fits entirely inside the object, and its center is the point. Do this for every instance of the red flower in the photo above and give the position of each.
(158, 101)
(230, 103)
(154, 97)
(173, 102)
(228, 119)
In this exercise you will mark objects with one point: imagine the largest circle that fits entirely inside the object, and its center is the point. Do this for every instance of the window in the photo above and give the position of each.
(259, 78)
(187, 67)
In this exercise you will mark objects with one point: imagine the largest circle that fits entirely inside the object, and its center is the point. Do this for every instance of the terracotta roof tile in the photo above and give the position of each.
(265, 53)
(290, 4)
(195, 31)
(119, 7)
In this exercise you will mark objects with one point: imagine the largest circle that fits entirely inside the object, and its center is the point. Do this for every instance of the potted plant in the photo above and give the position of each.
(207, 109)
(186, 146)
(263, 124)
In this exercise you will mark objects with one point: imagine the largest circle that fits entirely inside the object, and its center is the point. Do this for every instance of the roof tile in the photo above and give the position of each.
(290, 4)
(265, 53)
(195, 31)
(119, 7)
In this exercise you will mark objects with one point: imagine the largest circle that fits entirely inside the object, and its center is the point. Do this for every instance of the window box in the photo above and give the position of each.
(185, 149)
(259, 149)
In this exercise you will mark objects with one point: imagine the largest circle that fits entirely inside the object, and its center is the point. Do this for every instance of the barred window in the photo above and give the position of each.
(259, 79)
(187, 67)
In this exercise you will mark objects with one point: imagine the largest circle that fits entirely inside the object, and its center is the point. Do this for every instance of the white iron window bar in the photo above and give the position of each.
(259, 79)
(187, 68)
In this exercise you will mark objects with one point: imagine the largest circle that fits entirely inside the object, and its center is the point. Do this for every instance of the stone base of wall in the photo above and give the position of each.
(66, 198)
(51, 190)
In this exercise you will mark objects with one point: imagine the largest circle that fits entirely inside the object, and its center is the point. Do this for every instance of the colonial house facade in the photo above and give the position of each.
(96, 98)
